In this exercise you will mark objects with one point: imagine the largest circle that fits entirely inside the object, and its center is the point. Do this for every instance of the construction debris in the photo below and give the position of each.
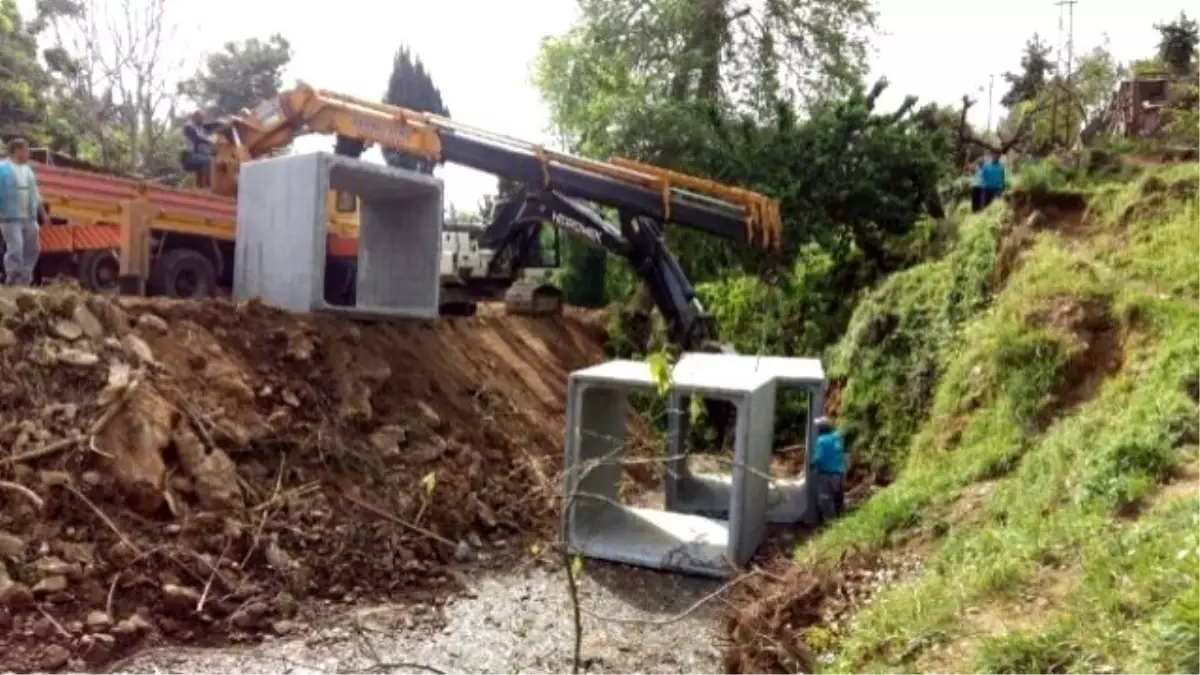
(197, 472)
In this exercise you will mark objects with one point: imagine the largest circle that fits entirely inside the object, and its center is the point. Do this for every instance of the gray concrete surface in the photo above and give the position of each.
(788, 501)
(283, 224)
(635, 620)
(597, 525)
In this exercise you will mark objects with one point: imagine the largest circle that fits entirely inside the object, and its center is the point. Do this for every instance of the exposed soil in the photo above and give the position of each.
(1099, 349)
(774, 620)
(1064, 213)
(203, 472)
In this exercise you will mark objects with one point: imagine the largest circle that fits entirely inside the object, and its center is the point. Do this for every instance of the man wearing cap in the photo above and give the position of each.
(829, 469)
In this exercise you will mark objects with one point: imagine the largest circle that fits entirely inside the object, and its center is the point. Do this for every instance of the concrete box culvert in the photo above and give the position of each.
(282, 228)
(597, 525)
(788, 499)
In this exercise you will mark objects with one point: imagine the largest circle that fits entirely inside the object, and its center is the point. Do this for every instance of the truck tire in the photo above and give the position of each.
(99, 270)
(184, 273)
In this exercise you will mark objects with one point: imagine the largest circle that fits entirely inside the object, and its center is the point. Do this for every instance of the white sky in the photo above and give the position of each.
(479, 51)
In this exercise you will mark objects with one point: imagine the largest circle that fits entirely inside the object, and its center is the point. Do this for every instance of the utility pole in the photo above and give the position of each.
(991, 85)
(1069, 6)
(1070, 33)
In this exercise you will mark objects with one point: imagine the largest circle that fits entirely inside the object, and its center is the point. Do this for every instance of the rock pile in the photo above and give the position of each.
(199, 472)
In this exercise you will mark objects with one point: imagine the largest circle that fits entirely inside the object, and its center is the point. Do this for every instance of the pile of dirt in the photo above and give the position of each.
(195, 472)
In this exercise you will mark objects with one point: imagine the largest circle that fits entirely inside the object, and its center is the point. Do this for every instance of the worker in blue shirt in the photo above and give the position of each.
(829, 469)
(993, 178)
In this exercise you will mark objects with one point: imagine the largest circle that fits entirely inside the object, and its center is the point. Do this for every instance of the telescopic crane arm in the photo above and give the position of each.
(516, 225)
(638, 191)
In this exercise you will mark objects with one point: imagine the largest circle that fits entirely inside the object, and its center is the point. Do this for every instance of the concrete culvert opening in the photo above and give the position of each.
(285, 247)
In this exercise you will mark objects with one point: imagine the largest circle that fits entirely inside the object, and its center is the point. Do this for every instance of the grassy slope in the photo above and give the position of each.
(1039, 422)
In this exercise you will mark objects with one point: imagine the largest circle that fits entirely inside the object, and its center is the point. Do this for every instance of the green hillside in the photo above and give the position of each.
(1034, 390)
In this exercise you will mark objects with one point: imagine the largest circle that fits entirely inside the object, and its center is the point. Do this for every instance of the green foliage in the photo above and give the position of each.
(22, 80)
(240, 76)
(891, 355)
(411, 86)
(1036, 71)
(625, 54)
(695, 94)
(583, 276)
(1181, 119)
(1040, 501)
(1177, 43)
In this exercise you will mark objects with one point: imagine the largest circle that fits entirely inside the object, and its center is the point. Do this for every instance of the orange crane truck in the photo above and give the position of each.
(563, 191)
(178, 242)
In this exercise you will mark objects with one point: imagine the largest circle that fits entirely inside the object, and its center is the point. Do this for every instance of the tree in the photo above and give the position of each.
(623, 55)
(1036, 70)
(108, 59)
(22, 79)
(411, 86)
(1177, 43)
(239, 76)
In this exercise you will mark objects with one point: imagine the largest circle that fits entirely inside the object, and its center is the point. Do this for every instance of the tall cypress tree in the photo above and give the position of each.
(410, 86)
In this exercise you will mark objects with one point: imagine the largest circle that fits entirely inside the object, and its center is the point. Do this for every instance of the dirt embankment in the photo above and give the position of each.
(193, 472)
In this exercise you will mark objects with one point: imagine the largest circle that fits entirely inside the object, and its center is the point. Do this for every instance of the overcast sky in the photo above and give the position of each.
(480, 51)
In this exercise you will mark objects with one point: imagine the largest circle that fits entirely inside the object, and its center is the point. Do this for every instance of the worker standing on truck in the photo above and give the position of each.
(993, 177)
(198, 152)
(829, 469)
(20, 206)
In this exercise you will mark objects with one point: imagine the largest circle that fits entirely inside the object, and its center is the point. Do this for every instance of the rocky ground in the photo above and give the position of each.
(513, 621)
(207, 473)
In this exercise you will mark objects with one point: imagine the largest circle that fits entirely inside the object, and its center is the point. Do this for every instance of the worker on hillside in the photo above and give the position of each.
(977, 187)
(829, 469)
(20, 206)
(994, 179)
(198, 148)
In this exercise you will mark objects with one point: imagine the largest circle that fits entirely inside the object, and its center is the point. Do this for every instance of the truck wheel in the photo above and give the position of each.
(98, 270)
(184, 273)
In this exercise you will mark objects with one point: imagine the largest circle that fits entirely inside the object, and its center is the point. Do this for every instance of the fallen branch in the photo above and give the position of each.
(54, 622)
(400, 521)
(103, 517)
(48, 449)
(262, 522)
(24, 492)
(212, 575)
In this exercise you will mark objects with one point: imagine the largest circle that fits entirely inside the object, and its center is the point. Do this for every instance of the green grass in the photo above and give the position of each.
(957, 387)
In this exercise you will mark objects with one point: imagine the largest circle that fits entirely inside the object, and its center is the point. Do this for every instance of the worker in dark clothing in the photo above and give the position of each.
(993, 179)
(829, 469)
(197, 155)
(977, 191)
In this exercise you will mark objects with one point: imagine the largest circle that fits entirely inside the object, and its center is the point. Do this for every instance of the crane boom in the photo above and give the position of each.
(725, 211)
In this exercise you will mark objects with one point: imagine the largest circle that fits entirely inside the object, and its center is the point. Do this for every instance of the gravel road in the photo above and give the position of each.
(510, 622)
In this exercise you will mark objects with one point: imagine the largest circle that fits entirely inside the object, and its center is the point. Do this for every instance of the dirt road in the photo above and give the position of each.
(634, 621)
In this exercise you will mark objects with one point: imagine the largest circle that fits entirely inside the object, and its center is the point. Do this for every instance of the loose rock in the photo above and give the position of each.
(138, 348)
(152, 323)
(78, 358)
(87, 322)
(11, 546)
(67, 330)
(51, 584)
(98, 620)
(55, 657)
